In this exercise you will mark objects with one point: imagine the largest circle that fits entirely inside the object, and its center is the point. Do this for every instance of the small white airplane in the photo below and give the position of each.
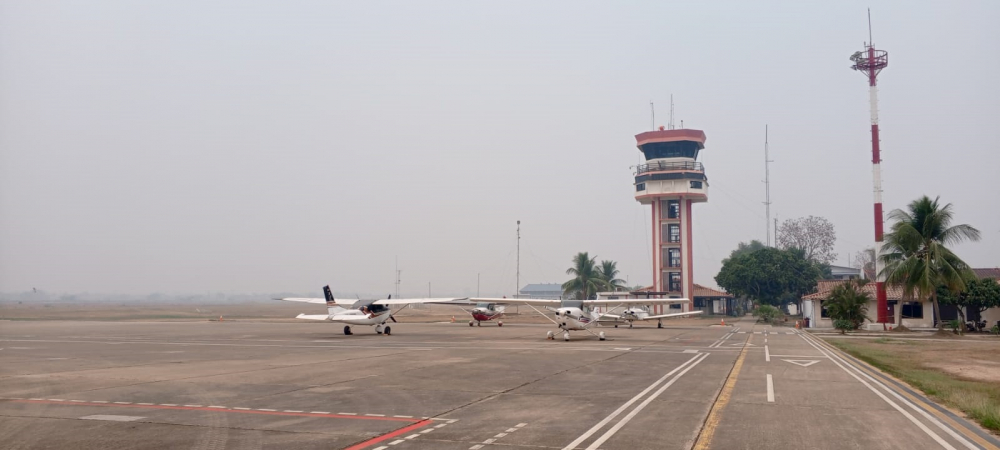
(480, 311)
(361, 312)
(641, 313)
(579, 315)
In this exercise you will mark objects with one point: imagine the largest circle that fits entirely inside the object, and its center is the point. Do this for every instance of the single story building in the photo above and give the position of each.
(551, 291)
(911, 314)
(713, 301)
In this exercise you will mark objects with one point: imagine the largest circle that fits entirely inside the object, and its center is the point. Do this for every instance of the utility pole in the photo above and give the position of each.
(767, 190)
(517, 279)
(397, 276)
(477, 284)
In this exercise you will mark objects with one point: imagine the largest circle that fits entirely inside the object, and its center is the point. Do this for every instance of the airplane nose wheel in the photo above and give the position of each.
(659, 324)
(347, 330)
(566, 336)
(500, 323)
(550, 335)
(601, 336)
(378, 329)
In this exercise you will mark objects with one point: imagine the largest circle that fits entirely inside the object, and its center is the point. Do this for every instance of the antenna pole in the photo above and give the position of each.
(670, 125)
(518, 277)
(652, 116)
(397, 276)
(767, 190)
(870, 27)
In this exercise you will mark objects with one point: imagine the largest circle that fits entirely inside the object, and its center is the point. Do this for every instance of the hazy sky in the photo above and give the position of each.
(183, 146)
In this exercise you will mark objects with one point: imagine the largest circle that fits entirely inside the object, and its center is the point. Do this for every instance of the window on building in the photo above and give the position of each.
(674, 281)
(673, 232)
(640, 187)
(673, 257)
(699, 302)
(696, 185)
(823, 312)
(675, 306)
(913, 310)
(673, 209)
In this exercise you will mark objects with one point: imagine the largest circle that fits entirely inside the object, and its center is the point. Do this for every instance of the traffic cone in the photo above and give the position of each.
(723, 322)
(220, 318)
(452, 319)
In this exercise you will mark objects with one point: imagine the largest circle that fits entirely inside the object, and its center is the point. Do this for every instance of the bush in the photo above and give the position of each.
(848, 302)
(995, 329)
(843, 325)
(767, 313)
(955, 325)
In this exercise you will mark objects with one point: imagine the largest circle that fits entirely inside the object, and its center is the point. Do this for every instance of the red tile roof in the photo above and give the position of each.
(702, 291)
(987, 273)
(825, 286)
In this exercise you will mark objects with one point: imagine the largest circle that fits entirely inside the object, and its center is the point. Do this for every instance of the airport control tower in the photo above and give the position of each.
(671, 181)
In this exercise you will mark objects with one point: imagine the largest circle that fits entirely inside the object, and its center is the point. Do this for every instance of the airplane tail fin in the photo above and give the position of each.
(329, 296)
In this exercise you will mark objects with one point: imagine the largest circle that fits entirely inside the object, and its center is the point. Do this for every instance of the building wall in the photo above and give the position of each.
(813, 310)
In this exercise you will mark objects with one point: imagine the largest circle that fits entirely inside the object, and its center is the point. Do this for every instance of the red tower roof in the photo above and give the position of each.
(671, 136)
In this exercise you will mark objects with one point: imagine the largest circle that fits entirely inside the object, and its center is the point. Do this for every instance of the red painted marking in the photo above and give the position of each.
(241, 411)
(387, 436)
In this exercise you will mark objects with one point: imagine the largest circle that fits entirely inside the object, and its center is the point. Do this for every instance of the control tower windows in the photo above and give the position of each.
(671, 209)
(696, 185)
(673, 232)
(674, 282)
(676, 149)
(672, 257)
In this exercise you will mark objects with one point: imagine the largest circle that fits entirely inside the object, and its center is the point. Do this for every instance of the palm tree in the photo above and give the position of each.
(848, 303)
(587, 279)
(609, 272)
(915, 255)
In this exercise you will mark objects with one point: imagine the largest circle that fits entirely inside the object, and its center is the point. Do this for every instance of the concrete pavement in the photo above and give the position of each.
(210, 385)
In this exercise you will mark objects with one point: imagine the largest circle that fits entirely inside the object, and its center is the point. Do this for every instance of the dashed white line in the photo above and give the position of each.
(190, 406)
(500, 435)
(211, 406)
(151, 404)
(268, 410)
(427, 431)
(319, 412)
(439, 426)
(412, 436)
(348, 414)
(166, 404)
(57, 399)
(292, 411)
(78, 401)
(404, 417)
(375, 415)
(489, 441)
(396, 442)
(521, 425)
(770, 389)
(510, 430)
(241, 409)
(476, 447)
(456, 420)
(767, 353)
(129, 403)
(98, 401)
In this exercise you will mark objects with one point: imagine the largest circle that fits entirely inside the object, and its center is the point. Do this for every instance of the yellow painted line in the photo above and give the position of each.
(871, 371)
(715, 415)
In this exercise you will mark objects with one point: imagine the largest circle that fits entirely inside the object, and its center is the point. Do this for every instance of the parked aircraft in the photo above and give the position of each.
(481, 311)
(579, 315)
(641, 313)
(361, 312)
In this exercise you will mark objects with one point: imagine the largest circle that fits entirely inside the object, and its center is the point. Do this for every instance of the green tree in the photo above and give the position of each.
(915, 254)
(768, 275)
(587, 279)
(743, 248)
(847, 303)
(979, 294)
(609, 272)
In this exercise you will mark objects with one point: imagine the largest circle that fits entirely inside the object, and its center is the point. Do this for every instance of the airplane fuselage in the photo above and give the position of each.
(573, 318)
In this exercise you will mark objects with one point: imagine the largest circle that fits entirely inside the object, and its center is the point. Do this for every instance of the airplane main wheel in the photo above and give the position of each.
(659, 324)
(601, 336)
(566, 336)
(387, 329)
(550, 335)
(347, 330)
(479, 323)
(500, 323)
(471, 322)
(616, 326)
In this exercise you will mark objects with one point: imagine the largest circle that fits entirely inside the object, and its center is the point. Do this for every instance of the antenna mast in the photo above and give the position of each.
(652, 116)
(670, 125)
(517, 289)
(767, 190)
(397, 276)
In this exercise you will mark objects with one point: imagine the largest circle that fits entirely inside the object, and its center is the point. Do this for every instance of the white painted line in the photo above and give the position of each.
(212, 406)
(456, 420)
(801, 362)
(292, 410)
(375, 415)
(489, 441)
(610, 417)
(190, 406)
(476, 447)
(767, 354)
(427, 431)
(381, 448)
(623, 348)
(112, 418)
(268, 410)
(895, 406)
(319, 412)
(78, 401)
(412, 436)
(510, 430)
(347, 414)
(129, 403)
(440, 425)
(500, 435)
(770, 389)
(241, 409)
(397, 441)
(621, 423)
(167, 404)
(98, 401)
(37, 399)
(521, 425)
(57, 399)
(404, 417)
(690, 351)
(147, 404)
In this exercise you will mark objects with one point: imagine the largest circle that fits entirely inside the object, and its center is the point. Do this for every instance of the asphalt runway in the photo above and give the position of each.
(245, 385)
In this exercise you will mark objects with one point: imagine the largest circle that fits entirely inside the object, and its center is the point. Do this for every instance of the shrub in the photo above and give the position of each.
(767, 313)
(848, 302)
(843, 325)
(955, 325)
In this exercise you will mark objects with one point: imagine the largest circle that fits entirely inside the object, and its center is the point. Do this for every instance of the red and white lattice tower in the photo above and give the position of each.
(870, 62)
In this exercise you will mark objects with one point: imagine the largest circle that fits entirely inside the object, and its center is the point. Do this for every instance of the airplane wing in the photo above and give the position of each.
(410, 301)
(634, 301)
(680, 314)
(519, 301)
(313, 316)
(321, 301)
